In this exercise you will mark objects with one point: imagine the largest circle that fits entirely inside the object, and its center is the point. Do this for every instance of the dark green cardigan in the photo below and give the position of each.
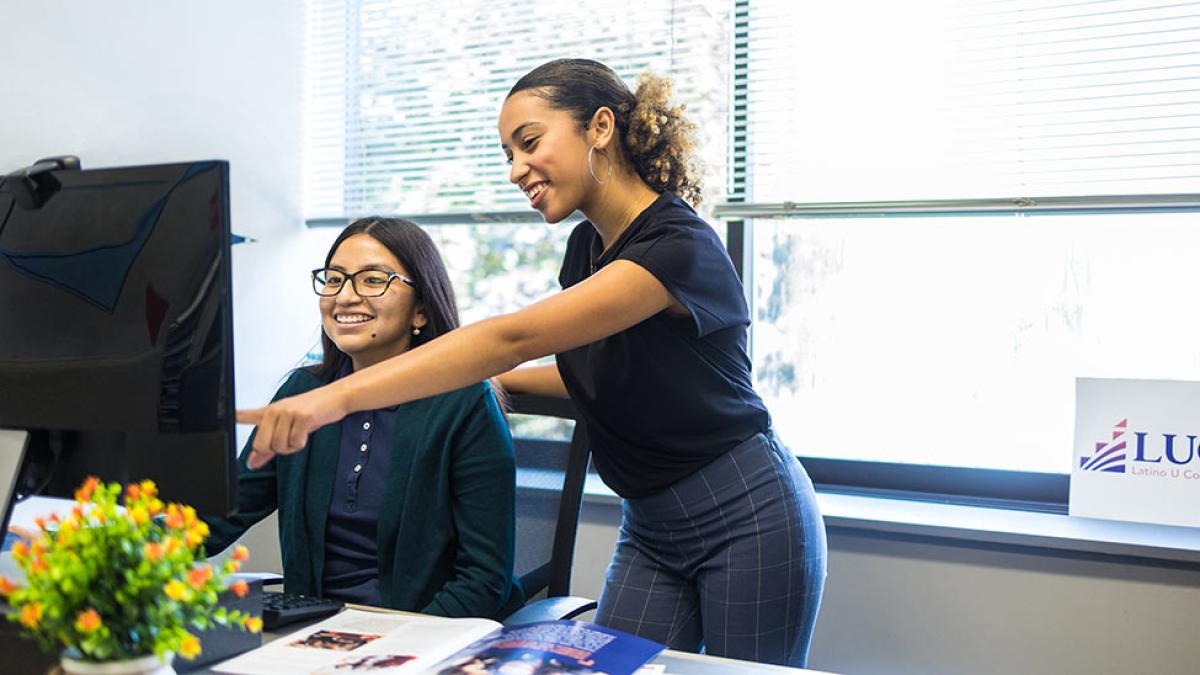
(446, 531)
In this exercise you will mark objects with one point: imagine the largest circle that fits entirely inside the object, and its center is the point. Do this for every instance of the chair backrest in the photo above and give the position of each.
(550, 482)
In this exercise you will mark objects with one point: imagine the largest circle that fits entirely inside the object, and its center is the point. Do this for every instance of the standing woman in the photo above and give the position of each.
(721, 542)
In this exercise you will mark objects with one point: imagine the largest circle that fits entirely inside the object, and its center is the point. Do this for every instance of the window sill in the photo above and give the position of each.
(990, 526)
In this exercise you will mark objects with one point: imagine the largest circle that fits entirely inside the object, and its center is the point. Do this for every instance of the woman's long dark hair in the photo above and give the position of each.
(421, 260)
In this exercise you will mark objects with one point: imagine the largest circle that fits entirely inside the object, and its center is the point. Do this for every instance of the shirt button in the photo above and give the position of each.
(366, 425)
(363, 447)
(357, 468)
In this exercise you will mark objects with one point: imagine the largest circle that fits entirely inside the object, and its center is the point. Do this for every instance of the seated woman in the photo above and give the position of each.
(408, 507)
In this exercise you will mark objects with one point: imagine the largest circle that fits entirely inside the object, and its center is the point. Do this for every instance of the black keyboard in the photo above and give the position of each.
(281, 609)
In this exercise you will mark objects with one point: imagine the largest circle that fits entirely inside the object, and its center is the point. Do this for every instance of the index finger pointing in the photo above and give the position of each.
(251, 416)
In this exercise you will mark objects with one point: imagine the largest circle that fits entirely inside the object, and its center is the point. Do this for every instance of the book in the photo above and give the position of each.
(358, 641)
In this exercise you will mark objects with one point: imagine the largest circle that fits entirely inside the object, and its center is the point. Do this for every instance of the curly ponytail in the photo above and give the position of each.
(654, 136)
(660, 141)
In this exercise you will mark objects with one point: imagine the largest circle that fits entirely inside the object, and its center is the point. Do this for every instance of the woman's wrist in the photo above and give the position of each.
(340, 398)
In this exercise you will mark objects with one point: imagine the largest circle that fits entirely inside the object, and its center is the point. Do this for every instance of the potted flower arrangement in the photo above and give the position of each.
(109, 586)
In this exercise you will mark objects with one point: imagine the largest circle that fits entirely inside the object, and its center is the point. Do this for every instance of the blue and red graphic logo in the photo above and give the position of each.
(1110, 455)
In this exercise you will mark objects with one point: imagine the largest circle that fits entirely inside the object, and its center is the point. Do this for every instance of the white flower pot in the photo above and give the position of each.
(142, 665)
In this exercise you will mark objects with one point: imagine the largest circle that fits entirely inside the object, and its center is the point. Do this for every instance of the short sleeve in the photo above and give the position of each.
(689, 260)
(576, 264)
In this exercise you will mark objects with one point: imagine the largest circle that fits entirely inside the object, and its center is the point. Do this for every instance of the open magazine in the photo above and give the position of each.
(357, 641)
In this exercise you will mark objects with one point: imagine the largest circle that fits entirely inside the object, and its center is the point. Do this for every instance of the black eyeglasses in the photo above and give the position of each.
(366, 283)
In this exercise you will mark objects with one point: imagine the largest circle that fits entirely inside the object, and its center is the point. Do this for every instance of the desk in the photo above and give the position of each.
(677, 663)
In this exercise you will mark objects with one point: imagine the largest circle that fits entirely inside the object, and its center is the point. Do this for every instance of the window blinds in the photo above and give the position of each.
(402, 97)
(942, 99)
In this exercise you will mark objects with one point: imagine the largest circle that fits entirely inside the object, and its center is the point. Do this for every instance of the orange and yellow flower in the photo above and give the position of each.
(240, 588)
(88, 621)
(240, 553)
(149, 488)
(199, 576)
(153, 551)
(139, 515)
(252, 624)
(31, 615)
(190, 647)
(174, 518)
(84, 493)
(175, 589)
(6, 586)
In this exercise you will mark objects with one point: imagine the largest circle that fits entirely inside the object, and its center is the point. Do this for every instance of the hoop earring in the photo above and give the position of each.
(592, 171)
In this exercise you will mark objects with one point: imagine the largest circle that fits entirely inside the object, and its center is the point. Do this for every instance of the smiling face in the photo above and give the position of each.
(548, 152)
(370, 330)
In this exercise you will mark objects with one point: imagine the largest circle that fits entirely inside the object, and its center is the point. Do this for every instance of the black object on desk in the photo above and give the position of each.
(222, 642)
(281, 609)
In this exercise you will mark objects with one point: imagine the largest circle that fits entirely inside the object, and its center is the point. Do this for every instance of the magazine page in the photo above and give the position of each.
(553, 648)
(355, 641)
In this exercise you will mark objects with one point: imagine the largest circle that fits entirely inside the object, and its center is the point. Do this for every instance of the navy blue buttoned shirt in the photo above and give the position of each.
(351, 548)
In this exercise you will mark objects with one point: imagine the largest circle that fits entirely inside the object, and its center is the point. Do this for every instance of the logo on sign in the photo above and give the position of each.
(1110, 455)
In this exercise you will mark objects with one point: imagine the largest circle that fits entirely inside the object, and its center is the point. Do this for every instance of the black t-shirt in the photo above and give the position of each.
(665, 397)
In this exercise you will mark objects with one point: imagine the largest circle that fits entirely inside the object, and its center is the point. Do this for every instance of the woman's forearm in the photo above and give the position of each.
(617, 297)
(457, 359)
(544, 380)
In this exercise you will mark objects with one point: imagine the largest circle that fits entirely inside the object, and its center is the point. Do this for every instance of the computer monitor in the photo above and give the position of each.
(116, 347)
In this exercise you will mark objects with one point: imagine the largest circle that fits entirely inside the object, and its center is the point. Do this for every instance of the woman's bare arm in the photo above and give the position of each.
(619, 296)
(542, 380)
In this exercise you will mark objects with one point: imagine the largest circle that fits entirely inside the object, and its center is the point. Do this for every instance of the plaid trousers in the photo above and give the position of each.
(731, 559)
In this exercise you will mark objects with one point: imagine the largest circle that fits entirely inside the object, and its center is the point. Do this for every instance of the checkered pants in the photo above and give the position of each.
(731, 558)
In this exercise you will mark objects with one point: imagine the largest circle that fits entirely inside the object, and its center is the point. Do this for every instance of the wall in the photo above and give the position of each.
(139, 81)
(907, 605)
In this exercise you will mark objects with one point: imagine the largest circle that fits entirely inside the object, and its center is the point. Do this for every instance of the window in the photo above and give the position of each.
(903, 313)
(401, 120)
(403, 96)
(945, 210)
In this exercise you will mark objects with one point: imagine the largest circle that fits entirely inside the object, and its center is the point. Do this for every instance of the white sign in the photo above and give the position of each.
(1137, 451)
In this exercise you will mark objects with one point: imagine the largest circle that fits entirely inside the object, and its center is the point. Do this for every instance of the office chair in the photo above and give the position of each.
(549, 493)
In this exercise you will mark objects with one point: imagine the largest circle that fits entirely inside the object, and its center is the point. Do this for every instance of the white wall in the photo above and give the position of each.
(138, 81)
(125, 82)
(913, 606)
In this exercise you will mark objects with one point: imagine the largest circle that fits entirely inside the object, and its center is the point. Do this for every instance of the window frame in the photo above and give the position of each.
(998, 488)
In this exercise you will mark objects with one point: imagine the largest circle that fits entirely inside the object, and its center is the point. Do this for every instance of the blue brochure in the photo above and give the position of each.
(553, 648)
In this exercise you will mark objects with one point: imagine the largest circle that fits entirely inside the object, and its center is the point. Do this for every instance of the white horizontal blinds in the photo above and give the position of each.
(424, 83)
(1059, 98)
(325, 73)
(934, 99)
